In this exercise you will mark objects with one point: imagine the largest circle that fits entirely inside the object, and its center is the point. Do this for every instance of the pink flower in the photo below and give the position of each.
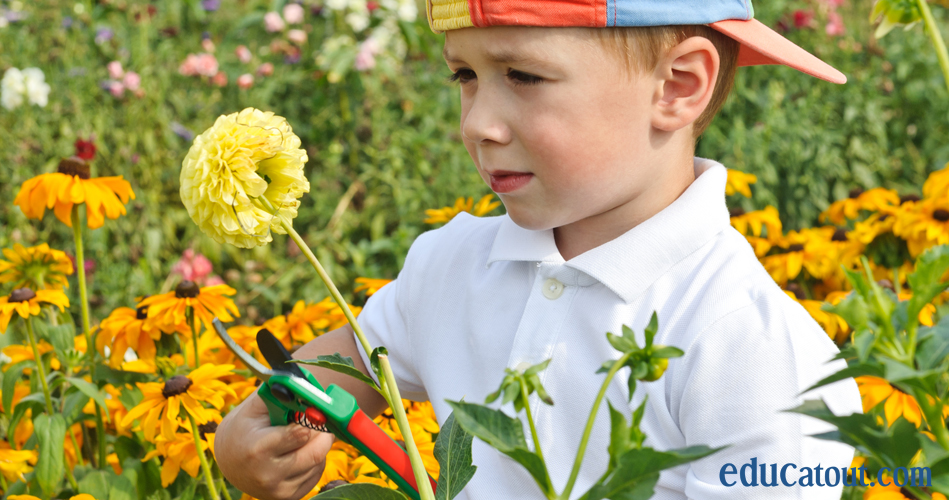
(371, 6)
(803, 18)
(190, 66)
(219, 79)
(115, 70)
(213, 280)
(834, 3)
(208, 45)
(116, 88)
(273, 22)
(243, 54)
(192, 266)
(366, 57)
(245, 81)
(132, 81)
(201, 64)
(297, 36)
(293, 13)
(835, 24)
(265, 69)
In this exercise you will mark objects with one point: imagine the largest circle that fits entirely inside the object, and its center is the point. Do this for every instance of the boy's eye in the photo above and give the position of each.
(519, 78)
(463, 75)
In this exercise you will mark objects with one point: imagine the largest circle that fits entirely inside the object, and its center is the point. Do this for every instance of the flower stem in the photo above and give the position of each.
(208, 478)
(40, 369)
(86, 329)
(223, 483)
(530, 420)
(933, 30)
(189, 313)
(589, 428)
(421, 475)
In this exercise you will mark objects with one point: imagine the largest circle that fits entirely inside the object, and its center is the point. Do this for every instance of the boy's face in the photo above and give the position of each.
(553, 122)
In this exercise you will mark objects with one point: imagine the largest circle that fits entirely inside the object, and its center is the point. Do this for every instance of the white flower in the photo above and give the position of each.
(337, 4)
(273, 22)
(293, 13)
(408, 11)
(358, 20)
(12, 89)
(37, 90)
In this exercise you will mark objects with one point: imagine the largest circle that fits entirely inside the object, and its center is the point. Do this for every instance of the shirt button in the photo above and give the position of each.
(552, 289)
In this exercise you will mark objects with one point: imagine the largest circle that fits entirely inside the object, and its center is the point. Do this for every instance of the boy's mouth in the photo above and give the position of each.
(503, 181)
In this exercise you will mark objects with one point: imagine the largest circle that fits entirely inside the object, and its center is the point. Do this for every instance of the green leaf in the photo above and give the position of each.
(638, 469)
(11, 376)
(539, 367)
(851, 371)
(90, 389)
(505, 434)
(73, 403)
(51, 433)
(374, 361)
(651, 329)
(534, 385)
(622, 344)
(62, 337)
(363, 491)
(933, 345)
(34, 401)
(340, 364)
(123, 487)
(96, 483)
(925, 281)
(453, 452)
(667, 351)
(895, 445)
(619, 436)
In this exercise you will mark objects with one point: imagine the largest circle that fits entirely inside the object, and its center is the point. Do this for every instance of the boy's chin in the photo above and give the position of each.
(530, 220)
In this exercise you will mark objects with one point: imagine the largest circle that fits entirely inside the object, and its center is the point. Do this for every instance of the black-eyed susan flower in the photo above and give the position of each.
(808, 249)
(127, 328)
(167, 311)
(162, 402)
(924, 224)
(445, 214)
(179, 452)
(26, 303)
(117, 410)
(306, 322)
(71, 185)
(937, 184)
(874, 390)
(231, 168)
(739, 182)
(835, 326)
(15, 463)
(766, 222)
(873, 200)
(39, 267)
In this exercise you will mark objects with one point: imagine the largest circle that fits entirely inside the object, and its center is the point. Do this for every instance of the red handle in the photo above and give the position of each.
(366, 431)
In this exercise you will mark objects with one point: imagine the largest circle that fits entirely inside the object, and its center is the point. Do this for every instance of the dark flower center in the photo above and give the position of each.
(332, 484)
(208, 428)
(885, 283)
(855, 192)
(908, 197)
(74, 165)
(796, 290)
(187, 289)
(176, 385)
(21, 295)
(941, 215)
(839, 235)
(736, 212)
(797, 247)
(141, 312)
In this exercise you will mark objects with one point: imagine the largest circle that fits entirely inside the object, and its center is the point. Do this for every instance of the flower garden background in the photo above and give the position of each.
(105, 277)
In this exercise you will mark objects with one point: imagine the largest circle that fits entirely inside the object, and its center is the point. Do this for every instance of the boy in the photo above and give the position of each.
(587, 135)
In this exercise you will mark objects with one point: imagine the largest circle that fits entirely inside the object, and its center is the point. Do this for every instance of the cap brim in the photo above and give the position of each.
(762, 45)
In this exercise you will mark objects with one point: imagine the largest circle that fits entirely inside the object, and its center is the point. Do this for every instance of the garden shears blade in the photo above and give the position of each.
(293, 395)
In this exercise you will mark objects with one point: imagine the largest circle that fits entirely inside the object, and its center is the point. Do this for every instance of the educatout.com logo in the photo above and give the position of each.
(753, 474)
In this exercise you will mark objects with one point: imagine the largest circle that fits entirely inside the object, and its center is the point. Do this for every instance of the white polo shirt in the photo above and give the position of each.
(482, 294)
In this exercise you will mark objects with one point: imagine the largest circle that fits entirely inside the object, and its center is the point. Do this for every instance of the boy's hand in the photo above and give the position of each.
(269, 462)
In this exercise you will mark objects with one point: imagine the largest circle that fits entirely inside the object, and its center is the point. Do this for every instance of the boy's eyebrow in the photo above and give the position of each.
(504, 57)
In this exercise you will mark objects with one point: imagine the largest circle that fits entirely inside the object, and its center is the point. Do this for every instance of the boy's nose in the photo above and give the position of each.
(484, 122)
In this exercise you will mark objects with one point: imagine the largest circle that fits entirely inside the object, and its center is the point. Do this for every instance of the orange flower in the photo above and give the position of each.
(306, 322)
(739, 182)
(72, 185)
(874, 200)
(124, 328)
(38, 267)
(370, 285)
(26, 303)
(167, 311)
(874, 390)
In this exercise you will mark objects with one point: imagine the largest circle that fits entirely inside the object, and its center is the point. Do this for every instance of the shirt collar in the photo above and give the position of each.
(629, 264)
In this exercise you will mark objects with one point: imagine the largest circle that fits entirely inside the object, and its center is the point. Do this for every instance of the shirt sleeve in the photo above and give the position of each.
(736, 381)
(385, 322)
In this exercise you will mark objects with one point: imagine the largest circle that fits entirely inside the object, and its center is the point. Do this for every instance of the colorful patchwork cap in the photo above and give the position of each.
(735, 18)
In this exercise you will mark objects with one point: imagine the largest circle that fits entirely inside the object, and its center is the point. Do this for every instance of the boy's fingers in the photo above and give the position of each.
(309, 458)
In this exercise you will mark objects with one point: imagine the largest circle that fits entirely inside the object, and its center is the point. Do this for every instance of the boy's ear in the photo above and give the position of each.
(685, 79)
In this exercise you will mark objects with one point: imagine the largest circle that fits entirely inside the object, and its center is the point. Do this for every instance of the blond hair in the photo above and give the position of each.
(642, 47)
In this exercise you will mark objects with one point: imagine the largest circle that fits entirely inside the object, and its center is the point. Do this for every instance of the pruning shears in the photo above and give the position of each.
(294, 396)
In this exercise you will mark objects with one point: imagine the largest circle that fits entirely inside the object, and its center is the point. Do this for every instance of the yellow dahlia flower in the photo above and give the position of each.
(38, 268)
(241, 159)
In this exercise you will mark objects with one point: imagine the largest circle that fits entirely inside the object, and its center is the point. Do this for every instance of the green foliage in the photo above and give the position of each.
(341, 364)
(517, 386)
(362, 492)
(453, 452)
(50, 431)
